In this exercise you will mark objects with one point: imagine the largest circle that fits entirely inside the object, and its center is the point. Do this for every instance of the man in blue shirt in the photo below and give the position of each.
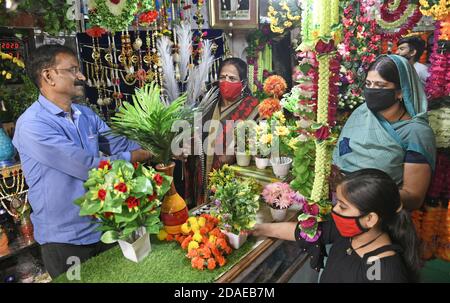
(58, 143)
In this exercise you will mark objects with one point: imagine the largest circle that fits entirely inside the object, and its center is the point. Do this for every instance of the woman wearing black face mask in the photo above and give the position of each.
(390, 131)
(373, 238)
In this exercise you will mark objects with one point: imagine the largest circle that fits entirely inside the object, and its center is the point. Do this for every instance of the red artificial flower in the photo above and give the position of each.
(122, 187)
(105, 163)
(322, 133)
(108, 214)
(115, 1)
(95, 31)
(323, 48)
(132, 202)
(308, 223)
(158, 179)
(312, 209)
(136, 165)
(101, 194)
(152, 197)
(148, 17)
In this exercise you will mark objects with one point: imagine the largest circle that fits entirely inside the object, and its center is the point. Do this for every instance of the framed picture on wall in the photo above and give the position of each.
(233, 13)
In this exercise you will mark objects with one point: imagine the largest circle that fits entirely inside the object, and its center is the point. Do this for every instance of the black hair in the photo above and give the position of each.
(414, 43)
(387, 70)
(45, 57)
(241, 67)
(372, 190)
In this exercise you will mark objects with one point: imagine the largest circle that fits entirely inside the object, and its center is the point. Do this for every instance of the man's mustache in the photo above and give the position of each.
(79, 83)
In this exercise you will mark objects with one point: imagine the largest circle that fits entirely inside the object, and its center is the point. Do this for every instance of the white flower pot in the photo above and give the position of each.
(281, 166)
(235, 240)
(278, 215)
(262, 163)
(243, 159)
(137, 250)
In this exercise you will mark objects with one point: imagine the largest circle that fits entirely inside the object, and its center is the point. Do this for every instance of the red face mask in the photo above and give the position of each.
(230, 90)
(348, 226)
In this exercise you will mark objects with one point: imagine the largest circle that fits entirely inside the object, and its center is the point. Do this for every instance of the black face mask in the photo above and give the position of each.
(378, 99)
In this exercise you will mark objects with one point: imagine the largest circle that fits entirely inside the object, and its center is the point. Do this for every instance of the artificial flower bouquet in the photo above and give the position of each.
(205, 244)
(278, 195)
(220, 177)
(124, 197)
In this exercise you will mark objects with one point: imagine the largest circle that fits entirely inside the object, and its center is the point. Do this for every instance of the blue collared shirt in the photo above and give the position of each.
(57, 151)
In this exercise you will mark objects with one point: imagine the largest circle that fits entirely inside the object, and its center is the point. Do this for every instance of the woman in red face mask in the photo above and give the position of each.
(234, 103)
(373, 238)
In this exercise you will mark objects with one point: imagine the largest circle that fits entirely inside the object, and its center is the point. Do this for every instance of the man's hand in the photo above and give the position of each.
(140, 155)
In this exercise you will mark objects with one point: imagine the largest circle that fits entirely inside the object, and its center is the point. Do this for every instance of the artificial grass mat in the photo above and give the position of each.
(166, 263)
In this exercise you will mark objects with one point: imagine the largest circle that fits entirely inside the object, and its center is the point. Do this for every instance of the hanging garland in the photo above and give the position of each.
(392, 11)
(404, 29)
(400, 17)
(438, 9)
(283, 16)
(116, 15)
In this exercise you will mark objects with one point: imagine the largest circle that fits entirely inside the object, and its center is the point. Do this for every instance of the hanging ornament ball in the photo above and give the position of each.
(100, 101)
(230, 34)
(160, 69)
(106, 101)
(230, 24)
(137, 43)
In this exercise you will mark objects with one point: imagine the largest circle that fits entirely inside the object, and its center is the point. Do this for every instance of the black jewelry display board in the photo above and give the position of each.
(85, 50)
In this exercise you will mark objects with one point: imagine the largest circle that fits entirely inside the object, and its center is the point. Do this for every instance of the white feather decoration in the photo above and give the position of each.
(184, 36)
(170, 85)
(199, 75)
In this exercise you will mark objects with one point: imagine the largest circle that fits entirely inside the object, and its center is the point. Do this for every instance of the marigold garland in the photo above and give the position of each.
(438, 9)
(275, 86)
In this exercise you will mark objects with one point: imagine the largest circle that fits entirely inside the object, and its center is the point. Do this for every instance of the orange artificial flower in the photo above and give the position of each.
(198, 263)
(275, 86)
(211, 264)
(268, 107)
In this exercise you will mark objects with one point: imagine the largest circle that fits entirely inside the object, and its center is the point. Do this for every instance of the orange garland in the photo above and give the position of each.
(443, 241)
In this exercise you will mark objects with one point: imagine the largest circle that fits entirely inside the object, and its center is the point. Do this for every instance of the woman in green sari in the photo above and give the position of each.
(390, 131)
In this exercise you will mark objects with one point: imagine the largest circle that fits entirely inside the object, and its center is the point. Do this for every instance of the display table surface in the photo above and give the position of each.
(167, 262)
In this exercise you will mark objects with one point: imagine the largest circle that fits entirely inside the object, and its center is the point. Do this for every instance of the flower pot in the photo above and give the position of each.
(4, 249)
(174, 211)
(139, 249)
(243, 159)
(281, 166)
(262, 163)
(278, 215)
(235, 240)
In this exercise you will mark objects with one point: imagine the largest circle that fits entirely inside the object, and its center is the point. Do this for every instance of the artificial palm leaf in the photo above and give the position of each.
(148, 121)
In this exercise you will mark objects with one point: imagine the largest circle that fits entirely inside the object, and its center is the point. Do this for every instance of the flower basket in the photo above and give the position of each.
(235, 240)
(278, 215)
(262, 163)
(281, 166)
(243, 159)
(137, 247)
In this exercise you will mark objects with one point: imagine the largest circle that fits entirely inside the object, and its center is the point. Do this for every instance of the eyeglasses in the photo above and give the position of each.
(73, 70)
(230, 78)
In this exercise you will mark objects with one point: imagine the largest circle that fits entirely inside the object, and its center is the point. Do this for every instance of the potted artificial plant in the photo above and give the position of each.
(125, 200)
(278, 196)
(237, 203)
(244, 135)
(263, 145)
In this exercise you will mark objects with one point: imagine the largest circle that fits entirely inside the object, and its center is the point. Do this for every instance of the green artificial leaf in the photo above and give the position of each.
(165, 186)
(154, 228)
(113, 204)
(90, 208)
(142, 185)
(109, 237)
(79, 201)
(126, 216)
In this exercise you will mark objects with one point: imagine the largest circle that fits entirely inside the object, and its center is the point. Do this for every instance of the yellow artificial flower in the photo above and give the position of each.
(281, 131)
(293, 143)
(185, 229)
(266, 139)
(192, 245)
(162, 235)
(287, 23)
(280, 116)
(3, 73)
(212, 239)
(197, 237)
(201, 221)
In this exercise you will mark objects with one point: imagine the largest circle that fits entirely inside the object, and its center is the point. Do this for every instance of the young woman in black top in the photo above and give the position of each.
(373, 238)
